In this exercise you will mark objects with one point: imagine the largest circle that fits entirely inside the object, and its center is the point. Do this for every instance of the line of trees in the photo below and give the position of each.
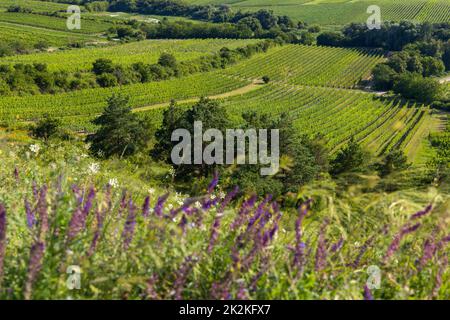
(22, 79)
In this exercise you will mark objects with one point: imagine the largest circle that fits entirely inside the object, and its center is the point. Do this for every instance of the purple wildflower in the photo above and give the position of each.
(213, 183)
(438, 281)
(242, 293)
(321, 253)
(230, 196)
(78, 221)
(214, 232)
(181, 276)
(160, 204)
(429, 248)
(31, 220)
(246, 207)
(98, 229)
(42, 211)
(16, 174)
(338, 245)
(300, 246)
(421, 213)
(130, 224)
(34, 267)
(367, 293)
(2, 239)
(146, 207)
(362, 250)
(150, 288)
(395, 244)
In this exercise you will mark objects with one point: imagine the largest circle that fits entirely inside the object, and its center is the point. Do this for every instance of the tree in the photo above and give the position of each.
(445, 56)
(395, 160)
(414, 86)
(350, 158)
(167, 60)
(266, 79)
(210, 114)
(121, 132)
(330, 39)
(432, 66)
(383, 77)
(46, 127)
(106, 80)
(101, 66)
(163, 136)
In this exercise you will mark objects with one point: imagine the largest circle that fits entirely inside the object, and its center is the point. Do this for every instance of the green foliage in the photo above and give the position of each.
(121, 133)
(414, 86)
(46, 128)
(349, 158)
(101, 66)
(394, 161)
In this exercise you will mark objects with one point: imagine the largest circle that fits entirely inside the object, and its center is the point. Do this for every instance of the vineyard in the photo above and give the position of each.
(35, 5)
(311, 65)
(340, 12)
(54, 23)
(92, 101)
(32, 35)
(378, 125)
(147, 51)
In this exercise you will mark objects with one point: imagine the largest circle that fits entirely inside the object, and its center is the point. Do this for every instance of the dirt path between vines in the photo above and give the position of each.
(239, 91)
(444, 80)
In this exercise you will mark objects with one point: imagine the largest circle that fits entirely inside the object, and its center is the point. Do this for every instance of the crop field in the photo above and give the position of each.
(310, 65)
(339, 12)
(54, 23)
(36, 6)
(147, 51)
(32, 35)
(338, 114)
(92, 101)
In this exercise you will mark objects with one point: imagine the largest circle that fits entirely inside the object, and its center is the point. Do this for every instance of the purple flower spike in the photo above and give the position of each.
(321, 253)
(34, 267)
(130, 224)
(230, 196)
(299, 248)
(160, 205)
(42, 211)
(2, 239)
(338, 245)
(422, 212)
(31, 220)
(214, 182)
(16, 174)
(395, 244)
(367, 293)
(78, 221)
(146, 207)
(182, 275)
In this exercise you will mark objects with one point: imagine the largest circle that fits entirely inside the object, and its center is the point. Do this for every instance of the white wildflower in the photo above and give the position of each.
(151, 190)
(114, 182)
(35, 148)
(94, 168)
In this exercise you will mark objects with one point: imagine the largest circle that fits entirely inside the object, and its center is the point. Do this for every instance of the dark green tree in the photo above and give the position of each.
(349, 158)
(101, 66)
(121, 132)
(394, 161)
(46, 127)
